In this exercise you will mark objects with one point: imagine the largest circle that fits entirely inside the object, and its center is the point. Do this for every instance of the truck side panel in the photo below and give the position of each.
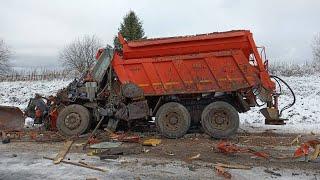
(193, 73)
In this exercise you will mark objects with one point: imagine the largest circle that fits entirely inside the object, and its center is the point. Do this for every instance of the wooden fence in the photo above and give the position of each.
(34, 76)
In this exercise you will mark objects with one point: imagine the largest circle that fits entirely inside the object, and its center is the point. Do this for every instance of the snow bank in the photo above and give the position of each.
(304, 116)
(18, 93)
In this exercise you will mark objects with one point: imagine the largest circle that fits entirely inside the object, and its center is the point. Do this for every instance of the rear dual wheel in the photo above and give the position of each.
(173, 120)
(220, 119)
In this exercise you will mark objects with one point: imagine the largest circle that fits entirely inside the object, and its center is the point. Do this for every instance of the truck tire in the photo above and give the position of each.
(220, 119)
(73, 120)
(173, 120)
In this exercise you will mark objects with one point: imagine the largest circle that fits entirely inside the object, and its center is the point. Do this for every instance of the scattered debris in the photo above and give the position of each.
(169, 153)
(233, 166)
(79, 144)
(94, 152)
(222, 172)
(304, 148)
(91, 179)
(316, 152)
(120, 151)
(34, 136)
(259, 154)
(91, 140)
(296, 140)
(63, 152)
(194, 157)
(146, 150)
(272, 172)
(151, 142)
(109, 157)
(125, 138)
(228, 148)
(78, 164)
(105, 145)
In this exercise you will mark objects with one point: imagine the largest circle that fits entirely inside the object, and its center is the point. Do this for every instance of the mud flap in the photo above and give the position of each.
(11, 118)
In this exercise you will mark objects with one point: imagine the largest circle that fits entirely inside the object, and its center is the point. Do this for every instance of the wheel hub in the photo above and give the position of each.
(72, 121)
(172, 120)
(220, 120)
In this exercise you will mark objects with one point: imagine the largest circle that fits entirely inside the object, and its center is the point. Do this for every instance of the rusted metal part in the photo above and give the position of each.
(11, 118)
(122, 113)
(135, 110)
(272, 116)
(131, 90)
(125, 138)
(138, 109)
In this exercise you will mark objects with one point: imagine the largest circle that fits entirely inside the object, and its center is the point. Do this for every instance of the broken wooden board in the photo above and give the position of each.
(79, 164)
(316, 152)
(60, 156)
(151, 142)
(233, 166)
(222, 172)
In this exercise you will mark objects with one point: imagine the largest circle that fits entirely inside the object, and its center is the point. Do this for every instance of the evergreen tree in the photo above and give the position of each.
(130, 29)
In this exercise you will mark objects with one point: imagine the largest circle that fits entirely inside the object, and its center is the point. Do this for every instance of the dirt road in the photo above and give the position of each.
(169, 160)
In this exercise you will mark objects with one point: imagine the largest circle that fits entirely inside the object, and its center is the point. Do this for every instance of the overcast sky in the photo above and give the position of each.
(37, 29)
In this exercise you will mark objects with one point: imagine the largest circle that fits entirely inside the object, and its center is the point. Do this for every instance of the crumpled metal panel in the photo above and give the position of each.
(11, 118)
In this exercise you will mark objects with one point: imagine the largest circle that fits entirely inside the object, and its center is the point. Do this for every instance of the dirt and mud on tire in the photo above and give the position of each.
(73, 120)
(220, 119)
(173, 120)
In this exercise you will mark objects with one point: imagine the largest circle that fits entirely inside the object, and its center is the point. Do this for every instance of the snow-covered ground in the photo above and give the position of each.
(18, 93)
(304, 116)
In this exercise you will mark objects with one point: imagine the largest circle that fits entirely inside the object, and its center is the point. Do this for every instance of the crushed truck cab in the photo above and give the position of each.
(180, 82)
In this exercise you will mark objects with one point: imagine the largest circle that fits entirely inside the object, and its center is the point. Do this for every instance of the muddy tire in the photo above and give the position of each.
(173, 120)
(73, 120)
(220, 119)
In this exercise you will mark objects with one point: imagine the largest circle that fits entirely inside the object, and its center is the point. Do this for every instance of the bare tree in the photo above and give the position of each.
(79, 55)
(316, 48)
(4, 58)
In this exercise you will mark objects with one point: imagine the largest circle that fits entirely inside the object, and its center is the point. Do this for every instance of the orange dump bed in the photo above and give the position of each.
(216, 62)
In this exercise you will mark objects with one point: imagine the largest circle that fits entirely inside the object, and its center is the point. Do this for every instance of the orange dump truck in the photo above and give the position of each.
(199, 81)
(203, 79)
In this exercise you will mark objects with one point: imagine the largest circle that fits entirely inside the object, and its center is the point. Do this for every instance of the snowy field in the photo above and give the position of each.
(304, 116)
(18, 93)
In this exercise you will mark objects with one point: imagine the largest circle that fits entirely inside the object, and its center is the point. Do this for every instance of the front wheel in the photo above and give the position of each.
(73, 120)
(220, 119)
(173, 120)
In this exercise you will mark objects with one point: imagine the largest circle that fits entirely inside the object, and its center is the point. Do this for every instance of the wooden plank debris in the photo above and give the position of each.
(60, 156)
(79, 164)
